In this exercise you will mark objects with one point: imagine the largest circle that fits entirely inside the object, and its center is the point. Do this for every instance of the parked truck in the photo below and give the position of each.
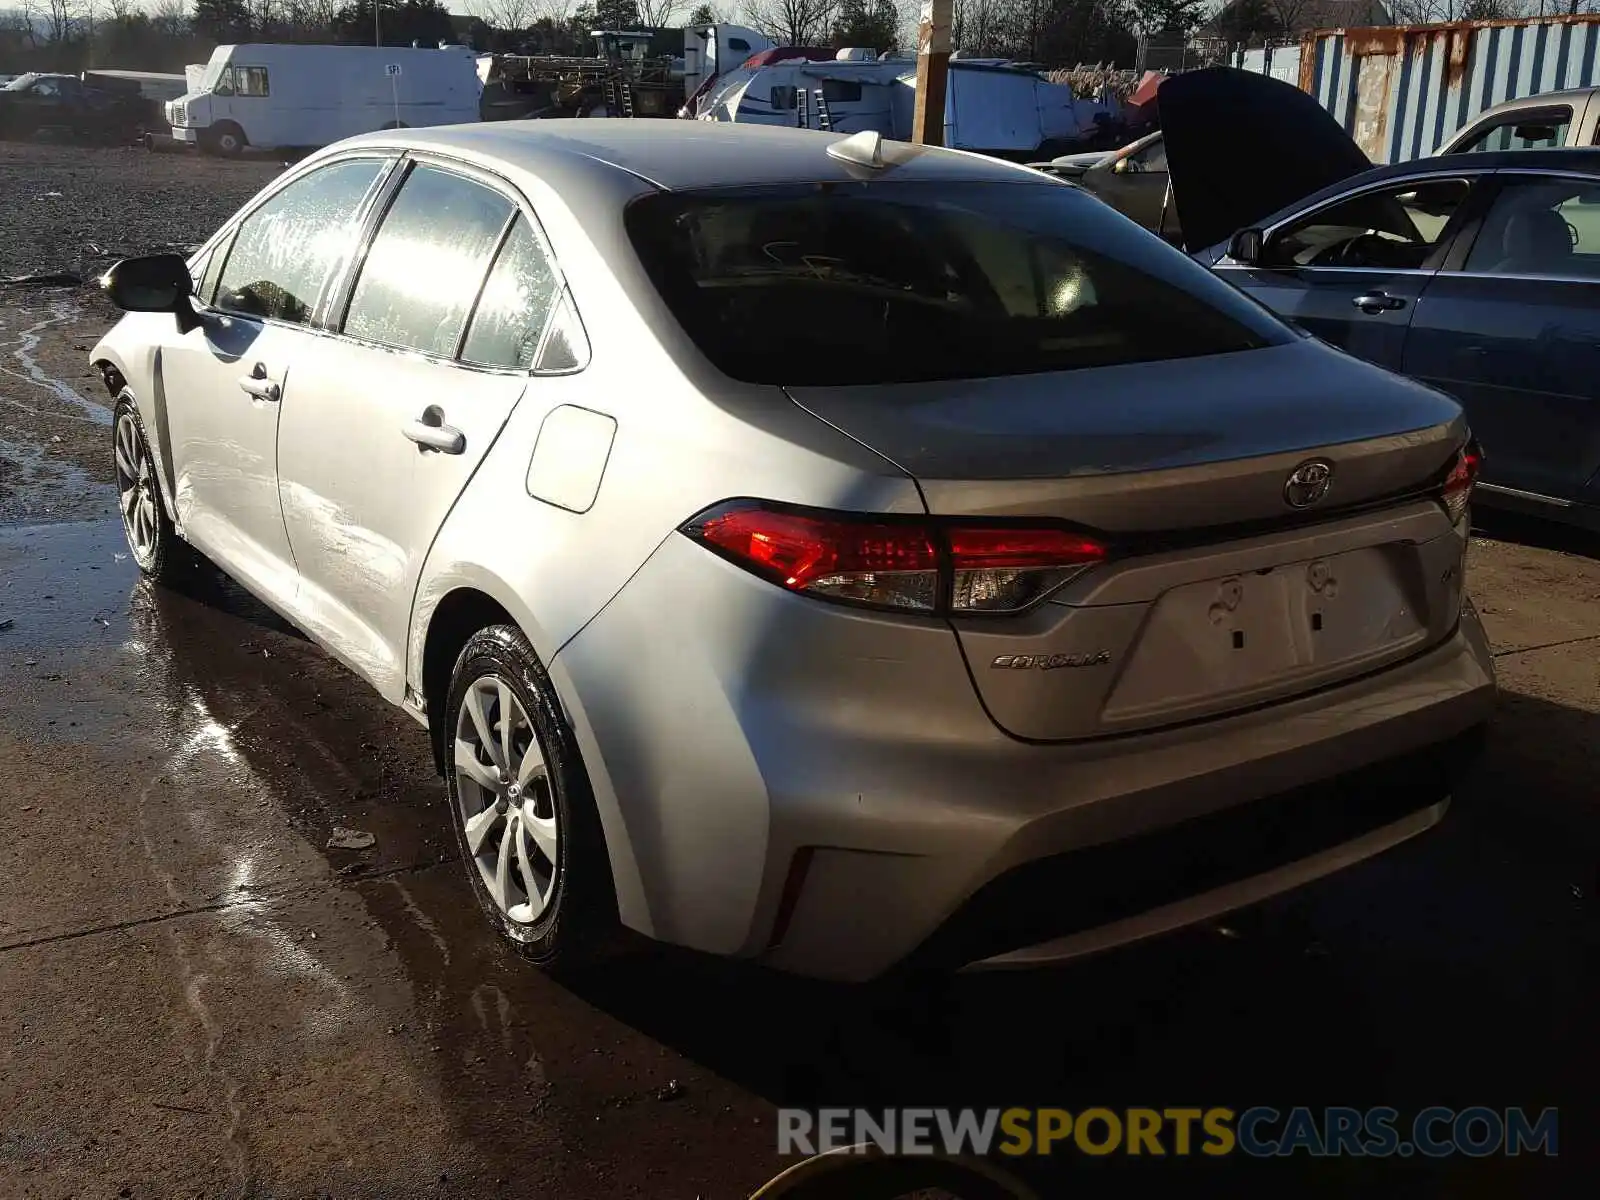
(274, 97)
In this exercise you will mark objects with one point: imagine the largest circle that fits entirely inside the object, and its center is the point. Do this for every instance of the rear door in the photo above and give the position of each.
(396, 413)
(1511, 327)
(1352, 270)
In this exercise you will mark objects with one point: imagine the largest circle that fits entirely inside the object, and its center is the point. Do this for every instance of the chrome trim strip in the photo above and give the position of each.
(1519, 494)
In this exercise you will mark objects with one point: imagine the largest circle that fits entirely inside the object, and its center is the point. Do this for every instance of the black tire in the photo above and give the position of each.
(578, 925)
(226, 140)
(167, 559)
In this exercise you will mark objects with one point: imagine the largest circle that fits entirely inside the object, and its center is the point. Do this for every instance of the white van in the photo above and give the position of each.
(280, 96)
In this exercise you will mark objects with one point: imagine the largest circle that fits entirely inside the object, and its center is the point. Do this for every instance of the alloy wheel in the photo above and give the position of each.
(504, 801)
(136, 490)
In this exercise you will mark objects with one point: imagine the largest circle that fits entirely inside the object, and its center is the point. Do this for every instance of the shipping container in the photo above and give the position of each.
(1401, 90)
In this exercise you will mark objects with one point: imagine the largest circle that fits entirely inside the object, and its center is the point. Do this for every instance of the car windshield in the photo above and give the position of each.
(861, 283)
(213, 73)
(21, 83)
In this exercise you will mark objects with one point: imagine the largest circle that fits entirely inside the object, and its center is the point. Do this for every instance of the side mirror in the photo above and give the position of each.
(1245, 247)
(153, 283)
(1123, 166)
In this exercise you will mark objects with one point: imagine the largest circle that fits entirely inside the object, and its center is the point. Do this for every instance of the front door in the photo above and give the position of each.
(1515, 335)
(398, 412)
(1353, 271)
(225, 385)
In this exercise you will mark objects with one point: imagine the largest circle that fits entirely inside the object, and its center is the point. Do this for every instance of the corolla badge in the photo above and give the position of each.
(1308, 483)
(1049, 662)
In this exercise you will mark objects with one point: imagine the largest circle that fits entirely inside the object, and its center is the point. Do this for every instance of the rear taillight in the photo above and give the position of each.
(1456, 491)
(924, 566)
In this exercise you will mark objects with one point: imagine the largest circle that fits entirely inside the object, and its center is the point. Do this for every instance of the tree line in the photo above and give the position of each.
(74, 35)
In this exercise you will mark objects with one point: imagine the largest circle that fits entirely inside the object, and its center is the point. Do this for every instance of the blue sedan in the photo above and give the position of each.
(1478, 273)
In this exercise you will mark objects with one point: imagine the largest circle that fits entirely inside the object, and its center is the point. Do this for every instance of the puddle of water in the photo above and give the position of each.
(24, 346)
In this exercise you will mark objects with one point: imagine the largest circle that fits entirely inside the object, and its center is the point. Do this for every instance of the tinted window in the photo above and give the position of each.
(888, 282)
(1541, 227)
(515, 305)
(840, 91)
(426, 263)
(1395, 228)
(738, 44)
(285, 251)
(783, 96)
(1528, 131)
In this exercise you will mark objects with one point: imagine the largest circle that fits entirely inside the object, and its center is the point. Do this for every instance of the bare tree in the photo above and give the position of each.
(171, 17)
(506, 15)
(654, 14)
(792, 22)
(58, 17)
(975, 26)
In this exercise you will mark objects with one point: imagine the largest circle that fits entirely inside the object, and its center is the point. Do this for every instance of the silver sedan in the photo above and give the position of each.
(818, 550)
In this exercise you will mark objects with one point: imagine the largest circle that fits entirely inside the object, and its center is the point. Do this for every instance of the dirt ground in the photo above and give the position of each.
(199, 999)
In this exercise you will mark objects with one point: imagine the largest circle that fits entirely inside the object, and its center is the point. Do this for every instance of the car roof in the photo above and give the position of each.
(1542, 100)
(1576, 158)
(675, 155)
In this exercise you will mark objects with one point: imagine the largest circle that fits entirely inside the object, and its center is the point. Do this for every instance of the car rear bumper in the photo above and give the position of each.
(836, 820)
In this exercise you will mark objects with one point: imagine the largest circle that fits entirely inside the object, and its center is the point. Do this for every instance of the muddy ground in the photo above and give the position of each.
(198, 998)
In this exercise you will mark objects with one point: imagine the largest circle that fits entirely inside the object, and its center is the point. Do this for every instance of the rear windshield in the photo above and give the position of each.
(899, 282)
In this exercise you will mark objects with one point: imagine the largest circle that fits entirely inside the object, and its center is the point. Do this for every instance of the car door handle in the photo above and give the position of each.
(444, 438)
(1373, 303)
(257, 385)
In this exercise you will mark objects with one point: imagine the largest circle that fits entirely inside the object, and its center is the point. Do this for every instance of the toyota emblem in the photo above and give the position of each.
(1308, 483)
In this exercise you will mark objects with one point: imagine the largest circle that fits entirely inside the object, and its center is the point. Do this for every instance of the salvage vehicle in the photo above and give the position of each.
(928, 578)
(1543, 122)
(1132, 180)
(63, 105)
(1475, 272)
(274, 97)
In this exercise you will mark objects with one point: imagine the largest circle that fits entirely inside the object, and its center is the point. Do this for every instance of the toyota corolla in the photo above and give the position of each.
(818, 550)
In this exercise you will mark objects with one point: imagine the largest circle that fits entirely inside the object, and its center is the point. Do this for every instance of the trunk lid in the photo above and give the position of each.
(1218, 593)
(1241, 146)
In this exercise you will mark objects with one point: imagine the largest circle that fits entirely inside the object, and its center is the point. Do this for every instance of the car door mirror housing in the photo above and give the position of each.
(1123, 166)
(154, 283)
(1245, 247)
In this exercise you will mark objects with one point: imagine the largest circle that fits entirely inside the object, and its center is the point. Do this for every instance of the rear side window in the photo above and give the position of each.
(427, 262)
(515, 304)
(1541, 130)
(250, 81)
(285, 251)
(898, 282)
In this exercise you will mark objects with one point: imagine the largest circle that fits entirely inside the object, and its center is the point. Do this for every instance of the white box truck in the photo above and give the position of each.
(273, 97)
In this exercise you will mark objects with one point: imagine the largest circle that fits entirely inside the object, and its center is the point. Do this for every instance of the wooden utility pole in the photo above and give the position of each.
(933, 69)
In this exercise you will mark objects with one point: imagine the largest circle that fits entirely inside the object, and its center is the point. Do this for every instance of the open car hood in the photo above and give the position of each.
(1240, 146)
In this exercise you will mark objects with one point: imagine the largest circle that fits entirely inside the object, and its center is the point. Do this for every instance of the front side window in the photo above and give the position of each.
(250, 81)
(1540, 227)
(1542, 130)
(856, 283)
(224, 83)
(1396, 228)
(286, 251)
(515, 305)
(427, 262)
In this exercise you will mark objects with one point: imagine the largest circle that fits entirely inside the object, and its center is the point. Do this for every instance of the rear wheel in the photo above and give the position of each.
(157, 549)
(521, 806)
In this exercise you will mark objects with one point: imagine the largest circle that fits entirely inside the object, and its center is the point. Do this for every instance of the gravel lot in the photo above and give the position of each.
(78, 210)
(199, 998)
(73, 212)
